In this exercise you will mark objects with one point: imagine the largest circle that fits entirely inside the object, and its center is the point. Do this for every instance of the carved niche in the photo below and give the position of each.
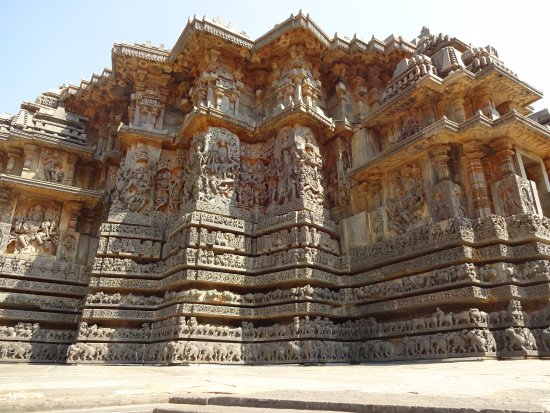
(52, 165)
(35, 228)
(337, 162)
(147, 110)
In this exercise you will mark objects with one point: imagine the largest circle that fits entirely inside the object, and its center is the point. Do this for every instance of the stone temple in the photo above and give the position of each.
(291, 199)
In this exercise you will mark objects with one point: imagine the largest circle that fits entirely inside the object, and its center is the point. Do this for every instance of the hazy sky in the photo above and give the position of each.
(48, 43)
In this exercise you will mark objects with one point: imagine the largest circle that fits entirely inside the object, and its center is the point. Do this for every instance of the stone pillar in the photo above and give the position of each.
(446, 196)
(297, 89)
(512, 194)
(68, 237)
(455, 109)
(71, 163)
(13, 155)
(504, 156)
(440, 159)
(7, 209)
(473, 152)
(31, 160)
(341, 95)
(377, 216)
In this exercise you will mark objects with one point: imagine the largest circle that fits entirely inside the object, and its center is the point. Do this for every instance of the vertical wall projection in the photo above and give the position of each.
(290, 199)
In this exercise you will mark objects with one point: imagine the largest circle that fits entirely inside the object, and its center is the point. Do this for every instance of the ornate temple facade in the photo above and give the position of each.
(291, 199)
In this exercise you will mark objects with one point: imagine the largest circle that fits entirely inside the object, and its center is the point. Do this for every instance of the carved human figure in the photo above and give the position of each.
(176, 189)
(68, 247)
(213, 170)
(162, 196)
(36, 231)
(406, 200)
(53, 169)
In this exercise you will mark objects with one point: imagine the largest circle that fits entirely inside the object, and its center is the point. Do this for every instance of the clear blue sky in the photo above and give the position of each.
(48, 43)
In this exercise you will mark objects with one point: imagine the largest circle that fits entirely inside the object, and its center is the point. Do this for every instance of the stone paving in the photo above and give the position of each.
(489, 385)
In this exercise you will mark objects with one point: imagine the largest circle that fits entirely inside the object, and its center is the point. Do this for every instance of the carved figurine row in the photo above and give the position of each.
(129, 247)
(303, 236)
(478, 342)
(323, 327)
(33, 331)
(454, 274)
(206, 257)
(201, 237)
(429, 236)
(214, 172)
(43, 267)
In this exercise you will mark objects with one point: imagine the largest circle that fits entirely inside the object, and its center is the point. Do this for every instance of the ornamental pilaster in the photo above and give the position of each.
(13, 154)
(473, 152)
(512, 194)
(71, 164)
(31, 161)
(504, 156)
(446, 195)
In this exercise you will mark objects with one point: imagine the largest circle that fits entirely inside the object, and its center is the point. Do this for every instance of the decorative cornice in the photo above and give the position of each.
(58, 191)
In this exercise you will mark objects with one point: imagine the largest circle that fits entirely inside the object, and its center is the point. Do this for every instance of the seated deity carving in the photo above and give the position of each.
(35, 232)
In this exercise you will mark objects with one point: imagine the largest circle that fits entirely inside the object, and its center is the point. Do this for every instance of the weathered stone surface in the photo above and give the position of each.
(293, 199)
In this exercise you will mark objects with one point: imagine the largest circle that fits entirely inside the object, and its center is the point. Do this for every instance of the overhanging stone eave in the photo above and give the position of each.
(160, 138)
(407, 149)
(50, 141)
(502, 79)
(57, 191)
(296, 114)
(479, 128)
(430, 83)
(202, 117)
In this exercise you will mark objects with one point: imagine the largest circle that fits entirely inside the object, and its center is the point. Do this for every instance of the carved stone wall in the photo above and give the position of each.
(278, 201)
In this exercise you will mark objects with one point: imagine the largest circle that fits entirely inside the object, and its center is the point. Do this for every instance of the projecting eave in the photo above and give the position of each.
(503, 84)
(293, 23)
(523, 131)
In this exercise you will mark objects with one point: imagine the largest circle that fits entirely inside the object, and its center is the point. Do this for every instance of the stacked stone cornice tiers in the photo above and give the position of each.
(291, 199)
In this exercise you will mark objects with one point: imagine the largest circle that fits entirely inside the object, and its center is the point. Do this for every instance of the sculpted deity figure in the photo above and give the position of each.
(287, 190)
(214, 165)
(406, 202)
(251, 191)
(133, 187)
(176, 189)
(298, 166)
(53, 170)
(162, 196)
(36, 231)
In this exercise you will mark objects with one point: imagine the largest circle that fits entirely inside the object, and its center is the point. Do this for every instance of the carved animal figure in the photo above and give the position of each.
(456, 343)
(439, 344)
